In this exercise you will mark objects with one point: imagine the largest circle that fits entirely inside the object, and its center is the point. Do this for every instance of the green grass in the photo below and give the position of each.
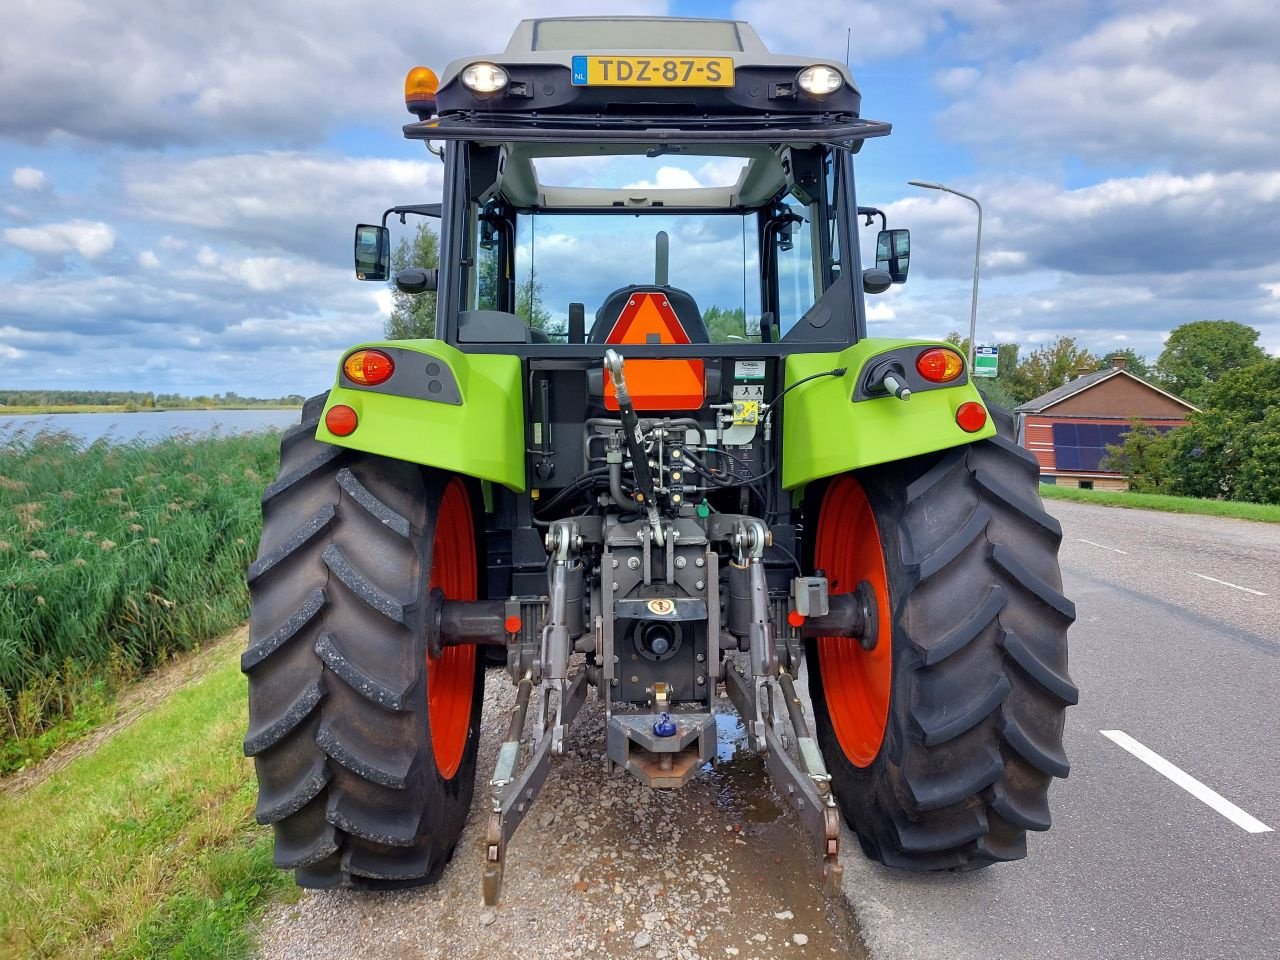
(112, 557)
(145, 847)
(1265, 512)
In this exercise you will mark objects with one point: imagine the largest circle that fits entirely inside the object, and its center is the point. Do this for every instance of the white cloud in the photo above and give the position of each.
(209, 73)
(878, 31)
(275, 274)
(29, 178)
(1158, 223)
(88, 238)
(1189, 83)
(298, 203)
(956, 81)
(667, 178)
(880, 312)
(148, 259)
(819, 28)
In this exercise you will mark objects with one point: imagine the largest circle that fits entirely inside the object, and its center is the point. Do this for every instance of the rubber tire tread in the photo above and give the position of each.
(980, 684)
(338, 725)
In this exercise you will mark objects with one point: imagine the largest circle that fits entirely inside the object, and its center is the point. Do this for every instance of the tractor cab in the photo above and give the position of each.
(576, 169)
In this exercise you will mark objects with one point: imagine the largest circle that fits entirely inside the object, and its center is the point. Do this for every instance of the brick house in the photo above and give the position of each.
(1069, 428)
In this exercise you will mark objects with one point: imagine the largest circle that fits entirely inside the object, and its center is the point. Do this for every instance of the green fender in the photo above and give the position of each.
(825, 432)
(482, 436)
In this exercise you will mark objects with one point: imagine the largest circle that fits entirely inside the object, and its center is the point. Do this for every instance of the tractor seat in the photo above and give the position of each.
(686, 311)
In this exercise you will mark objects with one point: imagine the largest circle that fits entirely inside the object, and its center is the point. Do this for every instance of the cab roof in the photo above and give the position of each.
(551, 94)
(556, 40)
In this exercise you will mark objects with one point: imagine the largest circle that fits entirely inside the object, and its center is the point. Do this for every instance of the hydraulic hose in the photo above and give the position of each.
(630, 427)
(631, 433)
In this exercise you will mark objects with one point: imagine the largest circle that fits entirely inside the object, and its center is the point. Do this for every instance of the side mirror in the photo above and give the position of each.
(373, 252)
(893, 253)
(875, 280)
(417, 280)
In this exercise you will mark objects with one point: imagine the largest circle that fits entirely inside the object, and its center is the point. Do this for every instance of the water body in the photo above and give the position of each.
(148, 427)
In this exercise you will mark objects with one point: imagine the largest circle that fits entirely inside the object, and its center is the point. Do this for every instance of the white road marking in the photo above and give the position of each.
(1225, 583)
(1102, 545)
(1186, 782)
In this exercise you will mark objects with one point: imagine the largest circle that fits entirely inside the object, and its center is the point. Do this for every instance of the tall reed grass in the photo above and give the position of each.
(114, 556)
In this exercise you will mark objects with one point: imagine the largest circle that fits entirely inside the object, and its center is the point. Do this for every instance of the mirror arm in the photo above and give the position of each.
(421, 209)
(871, 213)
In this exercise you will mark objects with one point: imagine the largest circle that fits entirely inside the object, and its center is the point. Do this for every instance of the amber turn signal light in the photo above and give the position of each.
(971, 417)
(368, 367)
(939, 365)
(341, 420)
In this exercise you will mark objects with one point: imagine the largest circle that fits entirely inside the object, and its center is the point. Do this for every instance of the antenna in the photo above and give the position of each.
(848, 43)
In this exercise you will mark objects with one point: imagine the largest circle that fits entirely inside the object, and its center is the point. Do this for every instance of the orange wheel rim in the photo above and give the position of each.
(855, 681)
(451, 676)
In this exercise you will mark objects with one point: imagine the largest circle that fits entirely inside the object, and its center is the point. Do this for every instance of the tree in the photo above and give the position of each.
(1134, 362)
(1229, 448)
(529, 307)
(726, 324)
(1197, 355)
(1143, 456)
(413, 315)
(1050, 367)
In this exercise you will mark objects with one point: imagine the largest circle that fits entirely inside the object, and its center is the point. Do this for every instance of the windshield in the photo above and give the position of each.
(565, 258)
(739, 246)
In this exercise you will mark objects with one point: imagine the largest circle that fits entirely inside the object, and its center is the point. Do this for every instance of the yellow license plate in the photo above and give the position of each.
(652, 71)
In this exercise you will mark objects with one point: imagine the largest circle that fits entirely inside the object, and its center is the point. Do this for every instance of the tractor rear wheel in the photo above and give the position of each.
(943, 739)
(365, 749)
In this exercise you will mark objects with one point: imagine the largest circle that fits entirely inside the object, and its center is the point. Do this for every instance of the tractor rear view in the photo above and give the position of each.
(652, 453)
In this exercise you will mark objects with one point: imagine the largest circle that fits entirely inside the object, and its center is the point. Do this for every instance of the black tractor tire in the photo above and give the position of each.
(979, 687)
(339, 725)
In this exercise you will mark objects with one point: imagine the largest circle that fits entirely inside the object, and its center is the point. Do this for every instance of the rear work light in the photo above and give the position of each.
(484, 77)
(368, 367)
(939, 365)
(341, 420)
(820, 80)
(971, 417)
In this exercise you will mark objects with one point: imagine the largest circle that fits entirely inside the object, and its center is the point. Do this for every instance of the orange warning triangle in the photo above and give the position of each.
(648, 318)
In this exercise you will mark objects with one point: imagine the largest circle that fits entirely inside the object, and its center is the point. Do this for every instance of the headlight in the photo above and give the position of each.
(820, 80)
(484, 77)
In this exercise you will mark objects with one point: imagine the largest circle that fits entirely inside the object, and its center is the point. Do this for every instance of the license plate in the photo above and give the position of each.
(653, 71)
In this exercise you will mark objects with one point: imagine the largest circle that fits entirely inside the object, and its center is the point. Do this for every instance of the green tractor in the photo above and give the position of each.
(651, 451)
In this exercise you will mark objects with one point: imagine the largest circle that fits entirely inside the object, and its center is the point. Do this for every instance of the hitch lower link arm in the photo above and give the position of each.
(763, 698)
(513, 793)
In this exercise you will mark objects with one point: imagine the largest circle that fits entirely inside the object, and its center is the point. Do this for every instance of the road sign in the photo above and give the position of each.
(986, 361)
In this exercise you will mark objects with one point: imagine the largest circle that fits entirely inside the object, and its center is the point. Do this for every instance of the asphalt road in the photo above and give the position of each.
(1177, 645)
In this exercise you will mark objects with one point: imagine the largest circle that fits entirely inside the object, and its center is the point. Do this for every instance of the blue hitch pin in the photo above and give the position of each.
(665, 726)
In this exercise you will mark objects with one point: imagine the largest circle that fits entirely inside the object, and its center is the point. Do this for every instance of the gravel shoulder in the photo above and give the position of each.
(602, 867)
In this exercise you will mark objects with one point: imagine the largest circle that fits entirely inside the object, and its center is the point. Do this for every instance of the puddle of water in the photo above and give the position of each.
(738, 776)
(731, 735)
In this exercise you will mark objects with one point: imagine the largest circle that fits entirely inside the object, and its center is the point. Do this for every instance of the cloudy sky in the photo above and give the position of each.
(178, 180)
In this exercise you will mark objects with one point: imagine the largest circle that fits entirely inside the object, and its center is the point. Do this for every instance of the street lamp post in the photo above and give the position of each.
(977, 255)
